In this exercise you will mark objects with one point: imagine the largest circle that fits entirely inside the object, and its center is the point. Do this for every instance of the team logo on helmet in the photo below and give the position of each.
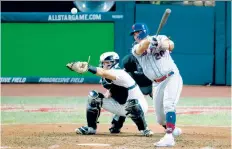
(133, 27)
(143, 27)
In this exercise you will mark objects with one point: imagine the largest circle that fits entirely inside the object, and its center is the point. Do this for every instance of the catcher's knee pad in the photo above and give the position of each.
(135, 112)
(117, 124)
(94, 108)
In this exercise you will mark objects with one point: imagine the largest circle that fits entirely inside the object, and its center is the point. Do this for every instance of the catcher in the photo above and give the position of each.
(132, 105)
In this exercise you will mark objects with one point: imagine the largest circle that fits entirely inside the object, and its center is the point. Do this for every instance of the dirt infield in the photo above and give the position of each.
(83, 89)
(62, 136)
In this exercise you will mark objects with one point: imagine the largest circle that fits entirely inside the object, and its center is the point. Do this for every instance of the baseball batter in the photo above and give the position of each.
(131, 104)
(153, 54)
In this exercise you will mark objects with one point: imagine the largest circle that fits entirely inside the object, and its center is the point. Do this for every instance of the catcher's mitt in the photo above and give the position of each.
(79, 67)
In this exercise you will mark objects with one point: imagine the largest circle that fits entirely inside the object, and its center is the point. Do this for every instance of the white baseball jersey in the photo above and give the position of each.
(122, 78)
(156, 64)
(125, 80)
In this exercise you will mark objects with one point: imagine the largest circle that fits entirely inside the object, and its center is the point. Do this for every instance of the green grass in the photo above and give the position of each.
(217, 118)
(204, 102)
(206, 119)
(82, 100)
(214, 119)
(42, 100)
(42, 117)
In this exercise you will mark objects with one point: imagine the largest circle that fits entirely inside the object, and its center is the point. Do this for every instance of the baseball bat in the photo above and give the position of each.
(88, 59)
(163, 20)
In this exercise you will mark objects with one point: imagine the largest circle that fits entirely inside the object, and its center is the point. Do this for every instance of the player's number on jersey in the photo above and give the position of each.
(158, 55)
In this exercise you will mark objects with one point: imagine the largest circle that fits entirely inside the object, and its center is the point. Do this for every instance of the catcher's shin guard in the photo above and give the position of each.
(94, 108)
(117, 124)
(135, 112)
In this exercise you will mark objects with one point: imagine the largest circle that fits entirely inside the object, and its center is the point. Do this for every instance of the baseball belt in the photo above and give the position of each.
(164, 77)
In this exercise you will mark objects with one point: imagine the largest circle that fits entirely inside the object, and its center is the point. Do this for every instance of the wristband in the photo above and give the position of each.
(92, 69)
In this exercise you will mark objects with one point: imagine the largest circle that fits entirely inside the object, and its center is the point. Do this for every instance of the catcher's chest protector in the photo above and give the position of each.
(118, 93)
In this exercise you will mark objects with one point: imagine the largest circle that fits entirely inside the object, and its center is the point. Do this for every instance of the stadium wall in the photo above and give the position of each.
(42, 43)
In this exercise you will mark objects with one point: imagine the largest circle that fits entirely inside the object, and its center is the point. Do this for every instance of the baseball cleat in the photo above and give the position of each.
(85, 130)
(166, 141)
(147, 132)
(114, 130)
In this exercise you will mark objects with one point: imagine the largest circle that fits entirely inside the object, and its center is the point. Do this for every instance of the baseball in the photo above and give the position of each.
(73, 10)
(177, 131)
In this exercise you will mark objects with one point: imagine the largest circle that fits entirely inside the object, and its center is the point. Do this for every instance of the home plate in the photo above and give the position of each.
(207, 147)
(94, 144)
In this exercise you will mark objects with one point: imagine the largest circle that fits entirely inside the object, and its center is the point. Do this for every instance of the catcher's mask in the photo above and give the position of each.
(109, 60)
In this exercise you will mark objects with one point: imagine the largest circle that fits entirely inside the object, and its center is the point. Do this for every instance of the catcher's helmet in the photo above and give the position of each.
(141, 28)
(111, 57)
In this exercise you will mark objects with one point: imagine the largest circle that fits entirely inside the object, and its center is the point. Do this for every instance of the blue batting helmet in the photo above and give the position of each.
(142, 28)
